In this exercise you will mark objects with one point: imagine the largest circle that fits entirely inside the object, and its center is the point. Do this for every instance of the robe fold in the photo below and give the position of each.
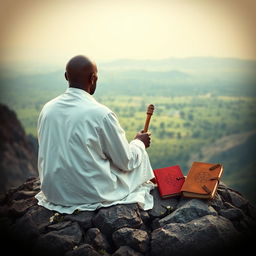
(85, 161)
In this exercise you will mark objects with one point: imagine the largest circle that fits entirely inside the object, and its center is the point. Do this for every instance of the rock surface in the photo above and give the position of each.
(18, 152)
(176, 226)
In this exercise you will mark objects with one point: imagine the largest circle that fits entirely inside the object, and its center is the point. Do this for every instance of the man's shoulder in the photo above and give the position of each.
(91, 109)
(48, 105)
(101, 109)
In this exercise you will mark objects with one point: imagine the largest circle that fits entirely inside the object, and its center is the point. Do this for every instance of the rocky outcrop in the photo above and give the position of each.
(18, 157)
(176, 226)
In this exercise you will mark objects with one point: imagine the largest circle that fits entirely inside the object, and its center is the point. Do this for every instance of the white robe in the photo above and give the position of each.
(84, 159)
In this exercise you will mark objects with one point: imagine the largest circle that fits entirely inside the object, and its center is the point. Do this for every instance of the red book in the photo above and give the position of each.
(169, 181)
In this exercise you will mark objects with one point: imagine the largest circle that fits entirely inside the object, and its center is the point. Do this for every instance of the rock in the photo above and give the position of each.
(187, 226)
(20, 207)
(59, 242)
(251, 211)
(73, 231)
(190, 210)
(208, 233)
(237, 200)
(84, 218)
(18, 158)
(217, 203)
(145, 217)
(126, 251)
(232, 196)
(134, 238)
(30, 225)
(155, 223)
(59, 226)
(24, 194)
(95, 238)
(112, 218)
(83, 250)
(231, 213)
(161, 207)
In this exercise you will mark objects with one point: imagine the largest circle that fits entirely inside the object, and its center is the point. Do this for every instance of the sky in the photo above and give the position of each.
(54, 31)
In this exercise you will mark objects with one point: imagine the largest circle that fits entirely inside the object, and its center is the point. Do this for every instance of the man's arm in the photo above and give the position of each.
(126, 156)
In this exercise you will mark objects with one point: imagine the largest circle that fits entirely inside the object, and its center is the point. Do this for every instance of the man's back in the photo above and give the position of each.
(69, 145)
(74, 162)
(85, 161)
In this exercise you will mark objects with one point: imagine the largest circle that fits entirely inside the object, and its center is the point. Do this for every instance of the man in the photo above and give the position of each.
(84, 159)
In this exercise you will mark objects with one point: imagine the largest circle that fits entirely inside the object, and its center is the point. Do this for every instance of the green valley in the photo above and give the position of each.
(204, 109)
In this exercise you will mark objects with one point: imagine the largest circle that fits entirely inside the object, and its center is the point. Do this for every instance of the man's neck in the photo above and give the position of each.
(78, 86)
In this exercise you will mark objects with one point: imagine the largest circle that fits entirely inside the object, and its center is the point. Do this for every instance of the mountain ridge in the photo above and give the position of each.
(181, 63)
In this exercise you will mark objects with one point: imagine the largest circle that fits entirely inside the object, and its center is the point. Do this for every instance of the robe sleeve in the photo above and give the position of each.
(125, 156)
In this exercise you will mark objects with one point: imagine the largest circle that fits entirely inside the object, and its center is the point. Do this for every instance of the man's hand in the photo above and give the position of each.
(144, 137)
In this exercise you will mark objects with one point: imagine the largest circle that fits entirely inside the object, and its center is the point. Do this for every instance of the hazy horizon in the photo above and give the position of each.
(37, 67)
(54, 31)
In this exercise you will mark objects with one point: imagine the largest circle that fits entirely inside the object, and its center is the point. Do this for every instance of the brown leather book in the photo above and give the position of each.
(202, 180)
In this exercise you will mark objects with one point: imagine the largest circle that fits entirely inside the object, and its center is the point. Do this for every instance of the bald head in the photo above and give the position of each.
(81, 73)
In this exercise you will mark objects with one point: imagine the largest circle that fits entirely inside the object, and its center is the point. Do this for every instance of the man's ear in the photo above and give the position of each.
(92, 78)
(66, 76)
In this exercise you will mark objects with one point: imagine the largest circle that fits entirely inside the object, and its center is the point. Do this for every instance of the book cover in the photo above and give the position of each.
(169, 181)
(202, 180)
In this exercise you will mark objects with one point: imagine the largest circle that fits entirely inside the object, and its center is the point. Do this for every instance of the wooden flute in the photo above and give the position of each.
(150, 111)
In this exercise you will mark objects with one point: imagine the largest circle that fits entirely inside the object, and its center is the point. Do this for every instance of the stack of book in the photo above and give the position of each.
(201, 182)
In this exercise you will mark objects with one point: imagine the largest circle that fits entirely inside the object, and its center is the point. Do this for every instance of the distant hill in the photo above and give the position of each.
(169, 77)
(189, 64)
(182, 76)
